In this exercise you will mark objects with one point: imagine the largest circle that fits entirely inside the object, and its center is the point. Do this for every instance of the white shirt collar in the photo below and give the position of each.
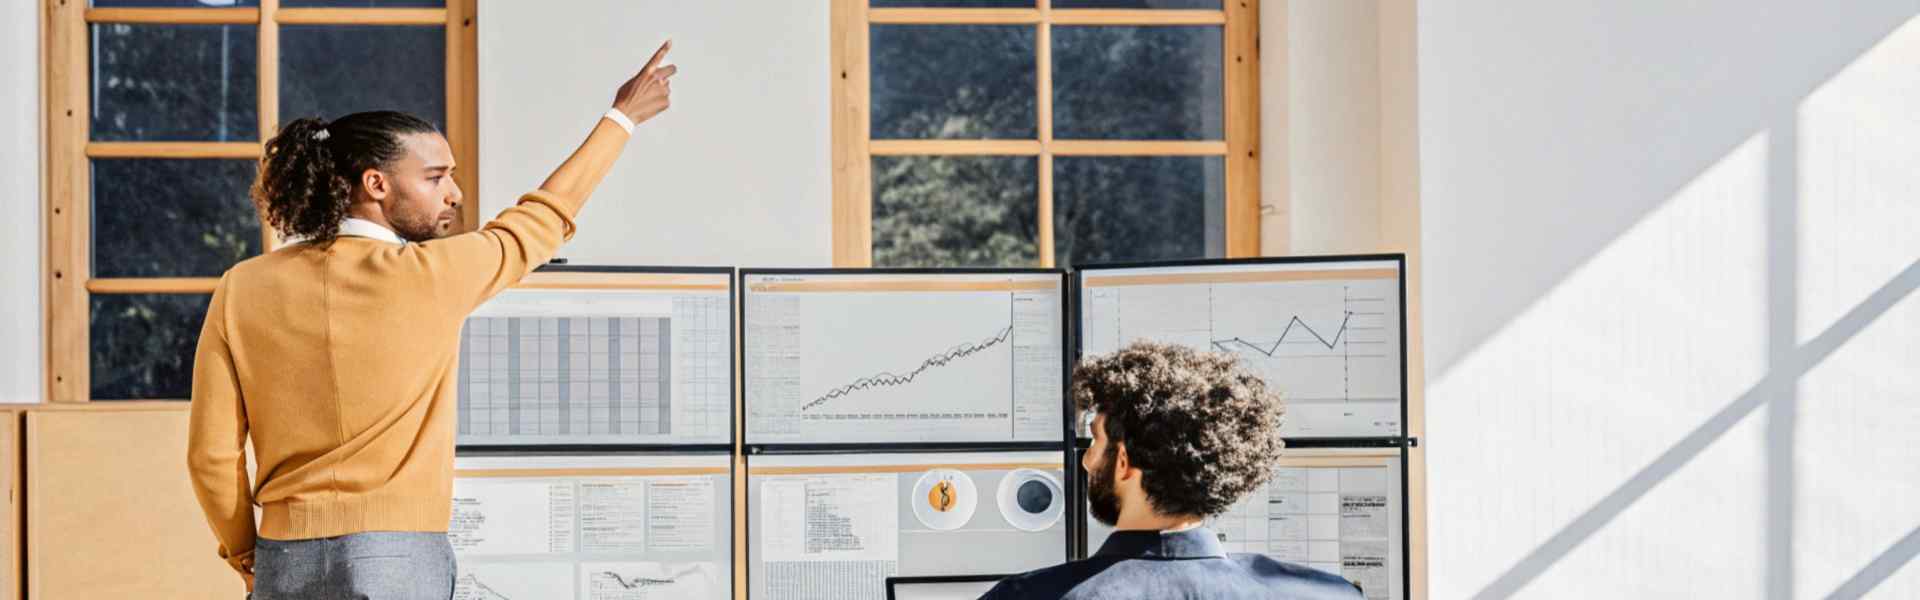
(368, 229)
(358, 228)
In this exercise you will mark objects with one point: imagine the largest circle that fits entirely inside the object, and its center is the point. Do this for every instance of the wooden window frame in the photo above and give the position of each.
(67, 264)
(854, 148)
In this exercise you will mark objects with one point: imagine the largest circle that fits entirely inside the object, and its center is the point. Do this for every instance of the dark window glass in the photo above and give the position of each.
(174, 83)
(1137, 83)
(143, 344)
(174, 3)
(953, 81)
(952, 4)
(1113, 208)
(954, 211)
(332, 70)
(1186, 4)
(172, 217)
(366, 3)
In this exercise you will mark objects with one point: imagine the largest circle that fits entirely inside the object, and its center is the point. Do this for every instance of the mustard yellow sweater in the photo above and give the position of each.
(339, 362)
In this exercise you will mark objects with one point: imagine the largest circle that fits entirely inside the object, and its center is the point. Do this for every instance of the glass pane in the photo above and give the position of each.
(1187, 4)
(330, 70)
(172, 217)
(951, 4)
(366, 3)
(175, 83)
(143, 344)
(955, 211)
(1131, 208)
(1159, 82)
(173, 3)
(953, 81)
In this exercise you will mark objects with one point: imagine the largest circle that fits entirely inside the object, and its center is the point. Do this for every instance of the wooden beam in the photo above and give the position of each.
(152, 285)
(955, 147)
(1043, 110)
(463, 106)
(1137, 148)
(173, 150)
(1029, 16)
(65, 42)
(173, 16)
(269, 98)
(1242, 60)
(852, 165)
(1147, 17)
(952, 16)
(361, 16)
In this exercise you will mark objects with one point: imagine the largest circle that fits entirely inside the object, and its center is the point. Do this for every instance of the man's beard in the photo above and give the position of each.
(1101, 499)
(417, 230)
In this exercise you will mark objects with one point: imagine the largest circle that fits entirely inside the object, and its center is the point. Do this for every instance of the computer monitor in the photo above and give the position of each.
(888, 357)
(1326, 331)
(944, 587)
(590, 357)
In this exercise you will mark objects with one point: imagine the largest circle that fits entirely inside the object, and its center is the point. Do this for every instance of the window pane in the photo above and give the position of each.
(366, 3)
(172, 217)
(952, 3)
(143, 344)
(173, 3)
(953, 81)
(954, 211)
(174, 83)
(330, 71)
(1187, 4)
(1113, 208)
(1160, 82)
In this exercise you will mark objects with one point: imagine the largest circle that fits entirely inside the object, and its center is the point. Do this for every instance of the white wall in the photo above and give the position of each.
(1339, 164)
(1670, 255)
(20, 248)
(1332, 127)
(736, 173)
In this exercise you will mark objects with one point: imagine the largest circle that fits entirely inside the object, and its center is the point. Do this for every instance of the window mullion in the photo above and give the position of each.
(269, 109)
(1043, 87)
(66, 269)
(1241, 75)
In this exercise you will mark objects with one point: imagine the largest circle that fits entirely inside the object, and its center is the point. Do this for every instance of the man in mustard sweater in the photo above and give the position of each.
(336, 355)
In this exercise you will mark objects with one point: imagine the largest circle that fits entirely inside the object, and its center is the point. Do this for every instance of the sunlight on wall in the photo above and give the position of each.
(1623, 359)
(1859, 229)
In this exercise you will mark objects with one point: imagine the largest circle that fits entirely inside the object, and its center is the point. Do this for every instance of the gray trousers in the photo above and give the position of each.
(381, 565)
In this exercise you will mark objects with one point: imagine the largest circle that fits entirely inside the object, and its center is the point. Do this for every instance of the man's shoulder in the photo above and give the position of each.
(1295, 577)
(1243, 573)
(1050, 582)
(265, 263)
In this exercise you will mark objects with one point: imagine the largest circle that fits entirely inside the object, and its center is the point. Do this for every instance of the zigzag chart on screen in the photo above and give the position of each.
(1328, 342)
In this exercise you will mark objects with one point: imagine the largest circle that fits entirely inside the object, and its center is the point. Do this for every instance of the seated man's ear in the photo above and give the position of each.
(1122, 466)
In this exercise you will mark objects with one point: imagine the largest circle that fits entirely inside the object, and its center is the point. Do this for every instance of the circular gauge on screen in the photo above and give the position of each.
(1032, 500)
(944, 499)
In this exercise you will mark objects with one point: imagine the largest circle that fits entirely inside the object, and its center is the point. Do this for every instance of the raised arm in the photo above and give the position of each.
(473, 267)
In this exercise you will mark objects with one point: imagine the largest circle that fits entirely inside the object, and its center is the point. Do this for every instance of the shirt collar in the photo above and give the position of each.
(1199, 542)
(359, 227)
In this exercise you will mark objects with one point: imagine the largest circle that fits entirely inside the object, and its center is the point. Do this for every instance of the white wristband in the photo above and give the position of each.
(620, 118)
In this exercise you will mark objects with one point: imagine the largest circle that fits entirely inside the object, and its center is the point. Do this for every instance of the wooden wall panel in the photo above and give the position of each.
(110, 512)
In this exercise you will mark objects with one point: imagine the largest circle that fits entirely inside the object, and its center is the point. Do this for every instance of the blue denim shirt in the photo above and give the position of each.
(1172, 566)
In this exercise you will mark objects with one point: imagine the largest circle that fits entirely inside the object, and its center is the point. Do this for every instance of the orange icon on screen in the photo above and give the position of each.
(941, 497)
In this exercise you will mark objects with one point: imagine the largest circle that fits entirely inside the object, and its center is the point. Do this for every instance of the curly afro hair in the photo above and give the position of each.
(1204, 428)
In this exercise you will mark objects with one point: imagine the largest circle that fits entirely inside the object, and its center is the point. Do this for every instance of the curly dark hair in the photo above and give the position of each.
(1204, 428)
(308, 172)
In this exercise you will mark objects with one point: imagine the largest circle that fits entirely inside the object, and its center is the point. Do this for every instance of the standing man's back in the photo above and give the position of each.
(336, 356)
(1178, 436)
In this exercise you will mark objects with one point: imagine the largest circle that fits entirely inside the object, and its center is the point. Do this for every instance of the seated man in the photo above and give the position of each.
(1178, 436)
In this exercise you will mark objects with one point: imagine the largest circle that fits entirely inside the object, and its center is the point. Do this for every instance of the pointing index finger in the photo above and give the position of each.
(657, 56)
